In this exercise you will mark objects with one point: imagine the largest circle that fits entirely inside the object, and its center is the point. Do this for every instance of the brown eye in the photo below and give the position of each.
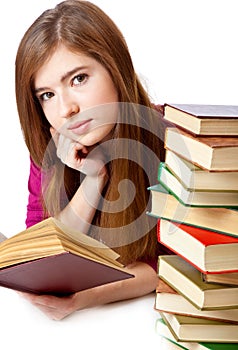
(80, 79)
(46, 96)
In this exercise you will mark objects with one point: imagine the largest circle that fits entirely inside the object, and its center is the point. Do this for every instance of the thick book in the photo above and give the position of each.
(211, 153)
(164, 205)
(176, 303)
(186, 280)
(198, 179)
(222, 278)
(50, 258)
(190, 329)
(208, 251)
(195, 197)
(203, 119)
(170, 342)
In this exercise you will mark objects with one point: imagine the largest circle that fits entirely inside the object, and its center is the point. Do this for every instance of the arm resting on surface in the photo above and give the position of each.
(57, 308)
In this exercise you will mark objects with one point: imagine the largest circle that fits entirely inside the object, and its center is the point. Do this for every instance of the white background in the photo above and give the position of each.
(184, 50)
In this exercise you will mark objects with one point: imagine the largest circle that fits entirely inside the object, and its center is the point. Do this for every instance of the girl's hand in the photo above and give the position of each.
(56, 308)
(89, 161)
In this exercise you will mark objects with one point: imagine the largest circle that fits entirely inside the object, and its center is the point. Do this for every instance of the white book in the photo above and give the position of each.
(186, 328)
(177, 304)
(195, 197)
(196, 178)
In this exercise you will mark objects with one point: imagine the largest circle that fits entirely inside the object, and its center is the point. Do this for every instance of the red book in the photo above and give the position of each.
(208, 251)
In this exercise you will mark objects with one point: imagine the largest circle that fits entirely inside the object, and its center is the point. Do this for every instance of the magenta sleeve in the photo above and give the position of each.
(35, 211)
(152, 262)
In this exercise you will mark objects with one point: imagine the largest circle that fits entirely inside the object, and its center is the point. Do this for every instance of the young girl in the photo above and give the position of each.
(75, 82)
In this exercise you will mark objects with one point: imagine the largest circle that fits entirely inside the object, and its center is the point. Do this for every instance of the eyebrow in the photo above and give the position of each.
(62, 79)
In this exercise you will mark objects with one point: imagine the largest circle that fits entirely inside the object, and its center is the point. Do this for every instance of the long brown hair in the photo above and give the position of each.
(82, 27)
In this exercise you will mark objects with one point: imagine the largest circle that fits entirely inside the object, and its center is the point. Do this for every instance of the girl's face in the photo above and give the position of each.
(68, 86)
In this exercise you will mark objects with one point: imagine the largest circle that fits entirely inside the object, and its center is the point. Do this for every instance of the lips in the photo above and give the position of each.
(79, 128)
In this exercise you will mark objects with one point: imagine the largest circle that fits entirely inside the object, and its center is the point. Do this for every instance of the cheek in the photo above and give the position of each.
(47, 115)
(54, 122)
(112, 95)
(50, 120)
(51, 117)
(106, 92)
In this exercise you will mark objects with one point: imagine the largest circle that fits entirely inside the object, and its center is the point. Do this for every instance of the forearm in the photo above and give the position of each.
(79, 212)
(144, 282)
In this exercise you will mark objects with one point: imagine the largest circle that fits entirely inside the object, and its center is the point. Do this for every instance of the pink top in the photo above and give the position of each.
(35, 211)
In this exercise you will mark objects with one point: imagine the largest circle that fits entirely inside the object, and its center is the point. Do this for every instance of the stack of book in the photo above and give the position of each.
(196, 203)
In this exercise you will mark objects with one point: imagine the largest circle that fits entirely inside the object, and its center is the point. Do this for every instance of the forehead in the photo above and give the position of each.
(62, 60)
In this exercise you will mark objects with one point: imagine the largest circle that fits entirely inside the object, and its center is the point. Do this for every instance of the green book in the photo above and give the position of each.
(187, 281)
(195, 197)
(166, 206)
(162, 329)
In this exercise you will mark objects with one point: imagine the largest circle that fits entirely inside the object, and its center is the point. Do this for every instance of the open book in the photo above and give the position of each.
(49, 258)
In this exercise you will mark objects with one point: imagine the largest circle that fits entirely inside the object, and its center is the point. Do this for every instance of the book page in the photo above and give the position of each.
(2, 237)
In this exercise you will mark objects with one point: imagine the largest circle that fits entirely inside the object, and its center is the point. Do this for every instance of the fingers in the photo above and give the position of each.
(67, 149)
(70, 152)
(56, 308)
(90, 161)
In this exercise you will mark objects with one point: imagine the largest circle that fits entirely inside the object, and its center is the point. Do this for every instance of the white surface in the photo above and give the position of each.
(122, 325)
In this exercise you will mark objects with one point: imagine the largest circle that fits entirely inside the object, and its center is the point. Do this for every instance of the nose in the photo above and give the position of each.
(68, 107)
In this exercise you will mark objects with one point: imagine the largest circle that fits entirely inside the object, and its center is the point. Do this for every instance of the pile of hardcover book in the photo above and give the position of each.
(196, 203)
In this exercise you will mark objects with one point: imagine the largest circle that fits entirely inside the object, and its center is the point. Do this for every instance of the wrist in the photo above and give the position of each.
(101, 177)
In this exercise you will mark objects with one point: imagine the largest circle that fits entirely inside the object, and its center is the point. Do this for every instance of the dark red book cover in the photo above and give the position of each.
(60, 274)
